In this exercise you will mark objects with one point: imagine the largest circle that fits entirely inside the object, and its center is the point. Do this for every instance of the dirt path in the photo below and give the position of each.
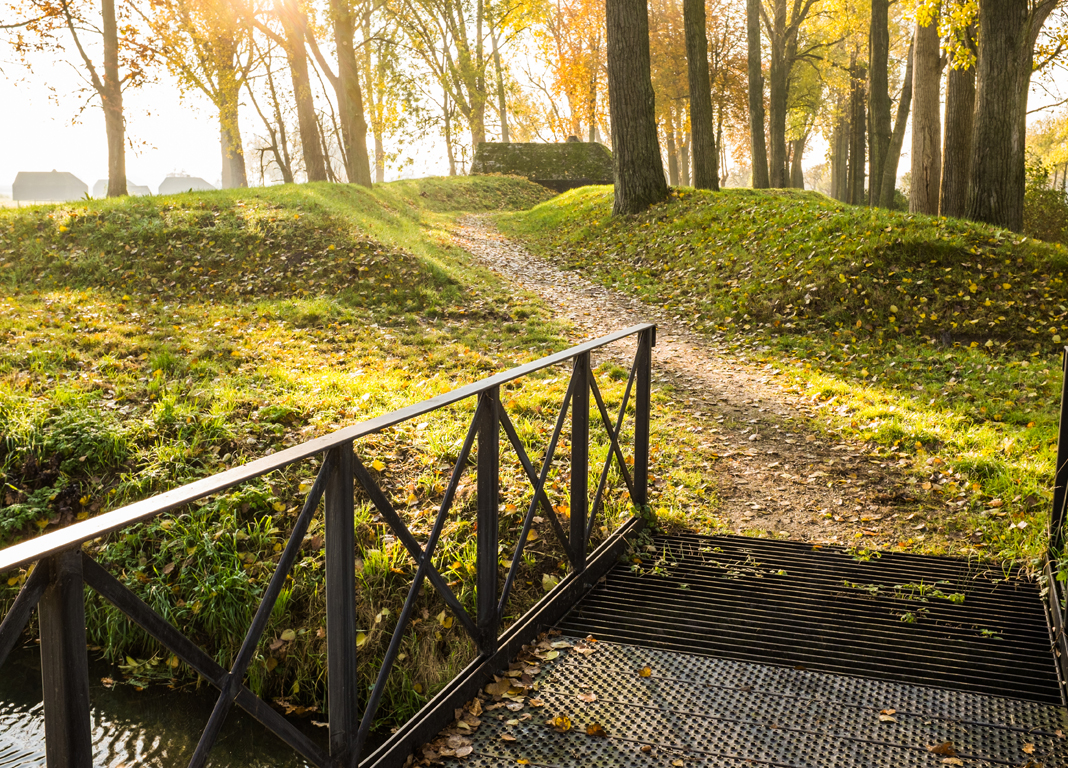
(775, 473)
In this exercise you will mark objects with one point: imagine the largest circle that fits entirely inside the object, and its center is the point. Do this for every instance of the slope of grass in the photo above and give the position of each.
(937, 340)
(150, 342)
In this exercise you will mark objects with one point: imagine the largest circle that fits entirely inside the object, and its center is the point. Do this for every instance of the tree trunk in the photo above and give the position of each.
(702, 118)
(957, 155)
(778, 101)
(840, 152)
(639, 171)
(897, 138)
(502, 105)
(857, 135)
(797, 171)
(1007, 33)
(684, 157)
(879, 97)
(293, 25)
(350, 97)
(111, 100)
(373, 100)
(758, 148)
(447, 112)
(672, 151)
(233, 152)
(926, 121)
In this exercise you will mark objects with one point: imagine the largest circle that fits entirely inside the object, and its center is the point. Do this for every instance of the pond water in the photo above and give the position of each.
(156, 727)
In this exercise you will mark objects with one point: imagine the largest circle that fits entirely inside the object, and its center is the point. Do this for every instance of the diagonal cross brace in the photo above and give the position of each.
(613, 437)
(119, 595)
(385, 508)
(409, 604)
(231, 684)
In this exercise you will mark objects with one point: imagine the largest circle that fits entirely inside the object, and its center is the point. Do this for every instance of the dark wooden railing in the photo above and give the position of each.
(1056, 567)
(56, 585)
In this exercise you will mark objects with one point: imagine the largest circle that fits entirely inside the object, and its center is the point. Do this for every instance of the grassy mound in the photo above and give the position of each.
(153, 341)
(934, 338)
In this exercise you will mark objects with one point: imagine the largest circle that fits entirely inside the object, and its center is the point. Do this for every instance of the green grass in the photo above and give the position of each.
(933, 339)
(148, 342)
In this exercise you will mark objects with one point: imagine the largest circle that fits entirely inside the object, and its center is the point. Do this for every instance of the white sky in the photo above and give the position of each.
(168, 133)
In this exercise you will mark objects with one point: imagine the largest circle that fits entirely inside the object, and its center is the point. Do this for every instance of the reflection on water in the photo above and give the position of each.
(156, 727)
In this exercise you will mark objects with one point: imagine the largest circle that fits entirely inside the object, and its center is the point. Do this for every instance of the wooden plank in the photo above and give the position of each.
(342, 680)
(65, 665)
(488, 490)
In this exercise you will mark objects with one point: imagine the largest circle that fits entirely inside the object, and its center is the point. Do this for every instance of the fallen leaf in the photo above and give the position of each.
(476, 707)
(561, 723)
(952, 761)
(645, 672)
(464, 751)
(536, 703)
(550, 655)
(589, 698)
(377, 465)
(1028, 748)
(595, 729)
(561, 644)
(498, 688)
(456, 741)
(647, 748)
(677, 762)
(945, 748)
(887, 719)
(507, 737)
(289, 635)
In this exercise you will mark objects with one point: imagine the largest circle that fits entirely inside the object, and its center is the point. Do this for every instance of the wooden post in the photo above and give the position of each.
(1060, 476)
(642, 413)
(342, 685)
(65, 665)
(580, 455)
(488, 499)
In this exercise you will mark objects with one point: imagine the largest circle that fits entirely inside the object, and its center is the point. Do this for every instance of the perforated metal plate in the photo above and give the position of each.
(716, 712)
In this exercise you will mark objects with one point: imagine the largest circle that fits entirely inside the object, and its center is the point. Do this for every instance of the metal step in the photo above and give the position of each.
(930, 621)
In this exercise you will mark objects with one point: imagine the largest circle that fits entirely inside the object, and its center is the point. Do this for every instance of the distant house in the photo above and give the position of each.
(172, 185)
(100, 189)
(559, 167)
(48, 187)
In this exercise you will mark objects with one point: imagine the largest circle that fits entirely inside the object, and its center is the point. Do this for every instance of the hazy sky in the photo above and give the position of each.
(167, 133)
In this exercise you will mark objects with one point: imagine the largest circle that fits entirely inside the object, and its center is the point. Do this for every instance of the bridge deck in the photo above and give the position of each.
(728, 651)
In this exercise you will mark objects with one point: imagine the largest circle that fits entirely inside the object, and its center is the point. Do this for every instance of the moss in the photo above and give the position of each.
(558, 166)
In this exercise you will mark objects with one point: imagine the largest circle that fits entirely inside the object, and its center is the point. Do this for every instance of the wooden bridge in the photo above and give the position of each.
(688, 650)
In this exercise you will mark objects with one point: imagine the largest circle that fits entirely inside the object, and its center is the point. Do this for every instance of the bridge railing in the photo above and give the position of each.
(1057, 555)
(62, 570)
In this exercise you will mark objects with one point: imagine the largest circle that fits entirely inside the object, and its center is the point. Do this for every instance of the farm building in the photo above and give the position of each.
(47, 187)
(559, 166)
(100, 189)
(172, 185)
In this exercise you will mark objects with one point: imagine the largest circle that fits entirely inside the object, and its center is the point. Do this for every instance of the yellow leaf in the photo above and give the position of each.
(377, 465)
(595, 729)
(561, 723)
(645, 672)
(1028, 748)
(289, 635)
(279, 506)
(361, 638)
(532, 535)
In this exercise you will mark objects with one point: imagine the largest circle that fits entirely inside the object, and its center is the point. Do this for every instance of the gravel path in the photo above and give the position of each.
(775, 473)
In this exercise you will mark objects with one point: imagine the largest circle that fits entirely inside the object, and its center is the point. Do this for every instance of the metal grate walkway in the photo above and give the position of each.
(914, 619)
(730, 651)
